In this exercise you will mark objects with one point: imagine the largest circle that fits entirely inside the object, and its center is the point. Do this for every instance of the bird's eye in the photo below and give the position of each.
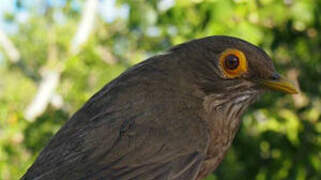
(233, 63)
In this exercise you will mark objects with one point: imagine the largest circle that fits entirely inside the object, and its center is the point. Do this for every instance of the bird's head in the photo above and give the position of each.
(225, 64)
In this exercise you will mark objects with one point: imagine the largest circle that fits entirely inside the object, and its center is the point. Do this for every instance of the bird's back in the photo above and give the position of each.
(137, 126)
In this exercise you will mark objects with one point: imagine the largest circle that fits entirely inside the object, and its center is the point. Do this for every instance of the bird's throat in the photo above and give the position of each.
(223, 114)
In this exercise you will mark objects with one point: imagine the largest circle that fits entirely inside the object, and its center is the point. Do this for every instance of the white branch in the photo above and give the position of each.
(86, 25)
(50, 79)
(11, 51)
(45, 92)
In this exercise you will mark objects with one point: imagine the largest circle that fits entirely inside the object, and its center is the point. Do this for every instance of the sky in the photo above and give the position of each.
(23, 9)
(108, 10)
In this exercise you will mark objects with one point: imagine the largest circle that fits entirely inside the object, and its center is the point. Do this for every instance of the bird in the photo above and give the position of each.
(173, 116)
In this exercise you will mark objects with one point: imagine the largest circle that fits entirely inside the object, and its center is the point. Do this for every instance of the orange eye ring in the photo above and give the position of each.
(233, 63)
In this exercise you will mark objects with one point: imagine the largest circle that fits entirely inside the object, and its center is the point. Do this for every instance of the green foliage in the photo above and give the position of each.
(280, 137)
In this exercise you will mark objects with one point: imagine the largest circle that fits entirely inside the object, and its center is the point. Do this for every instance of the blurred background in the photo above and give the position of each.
(55, 54)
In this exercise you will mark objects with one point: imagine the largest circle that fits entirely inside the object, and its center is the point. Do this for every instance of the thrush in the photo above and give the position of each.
(173, 116)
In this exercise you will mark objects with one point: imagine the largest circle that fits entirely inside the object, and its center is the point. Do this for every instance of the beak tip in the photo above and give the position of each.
(295, 91)
(281, 85)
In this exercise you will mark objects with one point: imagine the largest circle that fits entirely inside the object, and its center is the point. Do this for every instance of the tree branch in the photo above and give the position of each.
(50, 78)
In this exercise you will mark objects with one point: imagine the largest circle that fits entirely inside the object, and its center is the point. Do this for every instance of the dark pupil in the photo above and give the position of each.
(231, 62)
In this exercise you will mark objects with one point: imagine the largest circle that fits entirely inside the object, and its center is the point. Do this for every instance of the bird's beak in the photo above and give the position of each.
(279, 84)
